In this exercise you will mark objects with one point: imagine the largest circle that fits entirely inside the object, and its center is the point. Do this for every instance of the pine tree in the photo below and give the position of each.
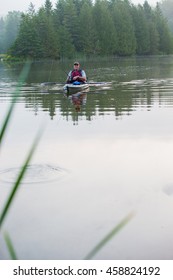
(65, 42)
(71, 23)
(48, 7)
(27, 43)
(59, 12)
(104, 25)
(46, 32)
(153, 33)
(125, 28)
(87, 30)
(141, 30)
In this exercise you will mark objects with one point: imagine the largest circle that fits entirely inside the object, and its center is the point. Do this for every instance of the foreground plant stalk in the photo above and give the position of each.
(108, 237)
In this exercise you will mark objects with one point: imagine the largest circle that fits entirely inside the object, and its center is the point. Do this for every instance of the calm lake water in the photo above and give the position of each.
(103, 155)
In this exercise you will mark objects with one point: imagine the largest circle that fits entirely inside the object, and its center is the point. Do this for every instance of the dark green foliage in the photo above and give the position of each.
(87, 30)
(71, 23)
(48, 8)
(125, 28)
(102, 27)
(141, 29)
(27, 43)
(47, 35)
(105, 28)
(65, 42)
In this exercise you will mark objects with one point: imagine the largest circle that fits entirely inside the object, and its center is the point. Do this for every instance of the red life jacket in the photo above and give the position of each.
(75, 73)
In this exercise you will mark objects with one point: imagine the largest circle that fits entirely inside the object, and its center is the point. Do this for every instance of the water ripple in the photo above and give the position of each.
(151, 83)
(36, 173)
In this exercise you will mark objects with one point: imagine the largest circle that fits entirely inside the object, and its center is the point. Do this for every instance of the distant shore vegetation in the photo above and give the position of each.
(84, 27)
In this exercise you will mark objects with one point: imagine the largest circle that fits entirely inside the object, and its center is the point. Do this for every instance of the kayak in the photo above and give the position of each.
(74, 88)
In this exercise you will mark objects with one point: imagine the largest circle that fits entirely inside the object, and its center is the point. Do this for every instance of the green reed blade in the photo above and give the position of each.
(18, 181)
(22, 78)
(10, 246)
(108, 237)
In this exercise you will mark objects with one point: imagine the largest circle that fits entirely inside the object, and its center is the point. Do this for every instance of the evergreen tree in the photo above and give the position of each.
(59, 13)
(65, 42)
(78, 5)
(125, 27)
(71, 23)
(154, 38)
(87, 30)
(48, 8)
(46, 31)
(148, 11)
(31, 10)
(104, 25)
(27, 43)
(153, 33)
(141, 30)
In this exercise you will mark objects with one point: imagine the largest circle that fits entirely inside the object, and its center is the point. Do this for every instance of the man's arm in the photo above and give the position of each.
(83, 78)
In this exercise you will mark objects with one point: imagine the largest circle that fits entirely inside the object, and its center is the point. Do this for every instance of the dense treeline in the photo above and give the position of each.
(102, 27)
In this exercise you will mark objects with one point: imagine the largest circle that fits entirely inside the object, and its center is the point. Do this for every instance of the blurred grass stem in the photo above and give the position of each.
(10, 246)
(108, 237)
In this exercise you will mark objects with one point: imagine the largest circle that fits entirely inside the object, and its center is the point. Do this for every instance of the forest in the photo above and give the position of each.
(86, 28)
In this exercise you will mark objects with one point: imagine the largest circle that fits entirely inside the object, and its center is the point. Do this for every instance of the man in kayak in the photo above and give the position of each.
(76, 75)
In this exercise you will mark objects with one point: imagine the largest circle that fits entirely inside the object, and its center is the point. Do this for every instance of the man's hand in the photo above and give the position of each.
(75, 78)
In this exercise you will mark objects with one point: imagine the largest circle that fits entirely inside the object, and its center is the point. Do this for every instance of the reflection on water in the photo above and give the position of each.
(116, 98)
(78, 100)
(118, 159)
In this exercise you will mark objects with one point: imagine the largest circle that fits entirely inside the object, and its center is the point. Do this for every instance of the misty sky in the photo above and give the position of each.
(22, 5)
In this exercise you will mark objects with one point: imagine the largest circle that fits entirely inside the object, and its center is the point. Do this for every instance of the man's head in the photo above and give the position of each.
(76, 65)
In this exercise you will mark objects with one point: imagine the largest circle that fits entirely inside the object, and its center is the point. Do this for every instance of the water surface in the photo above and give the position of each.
(103, 154)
